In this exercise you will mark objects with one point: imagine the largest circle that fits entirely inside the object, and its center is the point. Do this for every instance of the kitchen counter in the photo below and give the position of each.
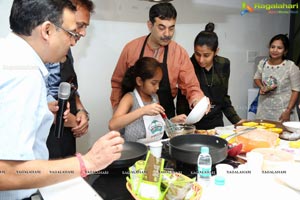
(110, 184)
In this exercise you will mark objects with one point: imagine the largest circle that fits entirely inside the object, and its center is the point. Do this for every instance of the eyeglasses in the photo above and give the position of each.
(76, 36)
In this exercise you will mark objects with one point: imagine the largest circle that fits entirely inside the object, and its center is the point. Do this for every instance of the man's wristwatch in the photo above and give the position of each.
(84, 110)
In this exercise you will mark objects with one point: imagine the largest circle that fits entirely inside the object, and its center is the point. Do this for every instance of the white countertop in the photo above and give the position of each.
(75, 189)
(249, 187)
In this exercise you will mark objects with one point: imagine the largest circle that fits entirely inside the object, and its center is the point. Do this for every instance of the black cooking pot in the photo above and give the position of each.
(132, 152)
(186, 148)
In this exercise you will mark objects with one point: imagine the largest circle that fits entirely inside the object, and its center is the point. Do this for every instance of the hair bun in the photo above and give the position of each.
(210, 27)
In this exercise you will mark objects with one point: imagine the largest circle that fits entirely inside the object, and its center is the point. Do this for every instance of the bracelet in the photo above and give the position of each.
(82, 165)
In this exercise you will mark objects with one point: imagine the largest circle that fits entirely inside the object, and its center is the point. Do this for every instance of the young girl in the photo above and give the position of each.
(279, 81)
(139, 111)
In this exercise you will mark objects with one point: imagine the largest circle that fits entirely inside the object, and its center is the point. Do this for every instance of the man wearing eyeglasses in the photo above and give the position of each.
(38, 37)
(77, 124)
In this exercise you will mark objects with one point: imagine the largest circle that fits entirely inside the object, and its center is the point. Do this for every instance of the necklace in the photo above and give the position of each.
(212, 77)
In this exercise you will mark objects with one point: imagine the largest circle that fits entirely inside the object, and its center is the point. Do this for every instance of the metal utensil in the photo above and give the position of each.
(169, 125)
(239, 133)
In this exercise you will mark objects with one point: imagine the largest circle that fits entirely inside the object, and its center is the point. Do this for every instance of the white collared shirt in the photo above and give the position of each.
(25, 119)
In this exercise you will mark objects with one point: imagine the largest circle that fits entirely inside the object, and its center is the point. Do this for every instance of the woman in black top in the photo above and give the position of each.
(213, 74)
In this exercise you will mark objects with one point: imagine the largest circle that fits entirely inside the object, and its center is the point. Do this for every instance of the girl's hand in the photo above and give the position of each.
(179, 119)
(153, 109)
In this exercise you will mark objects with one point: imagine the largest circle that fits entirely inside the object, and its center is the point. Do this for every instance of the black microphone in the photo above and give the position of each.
(63, 96)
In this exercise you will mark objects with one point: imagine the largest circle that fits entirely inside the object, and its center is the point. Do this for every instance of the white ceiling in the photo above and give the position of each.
(188, 11)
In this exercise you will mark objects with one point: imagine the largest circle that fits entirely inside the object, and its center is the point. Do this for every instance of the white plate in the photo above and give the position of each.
(198, 111)
(220, 130)
(292, 126)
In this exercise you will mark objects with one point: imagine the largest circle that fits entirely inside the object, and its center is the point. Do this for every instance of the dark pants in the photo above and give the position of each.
(61, 147)
(210, 122)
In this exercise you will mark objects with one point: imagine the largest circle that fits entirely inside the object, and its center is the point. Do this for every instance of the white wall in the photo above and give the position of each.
(96, 56)
(5, 6)
(95, 63)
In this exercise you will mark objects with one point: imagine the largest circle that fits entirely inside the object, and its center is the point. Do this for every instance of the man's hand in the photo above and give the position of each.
(53, 107)
(104, 151)
(82, 126)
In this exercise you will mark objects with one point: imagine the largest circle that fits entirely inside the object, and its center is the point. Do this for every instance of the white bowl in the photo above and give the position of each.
(198, 111)
(292, 126)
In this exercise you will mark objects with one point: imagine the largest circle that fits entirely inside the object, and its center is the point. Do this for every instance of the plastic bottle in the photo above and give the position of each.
(204, 167)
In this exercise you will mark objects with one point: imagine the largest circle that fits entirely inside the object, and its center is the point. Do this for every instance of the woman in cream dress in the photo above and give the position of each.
(279, 81)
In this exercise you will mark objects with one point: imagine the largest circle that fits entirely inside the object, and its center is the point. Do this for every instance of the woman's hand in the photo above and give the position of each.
(285, 116)
(262, 90)
(241, 121)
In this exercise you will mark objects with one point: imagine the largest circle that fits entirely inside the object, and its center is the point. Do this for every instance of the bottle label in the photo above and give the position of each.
(204, 172)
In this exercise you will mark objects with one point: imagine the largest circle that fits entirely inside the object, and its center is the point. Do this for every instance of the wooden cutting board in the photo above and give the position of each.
(278, 124)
